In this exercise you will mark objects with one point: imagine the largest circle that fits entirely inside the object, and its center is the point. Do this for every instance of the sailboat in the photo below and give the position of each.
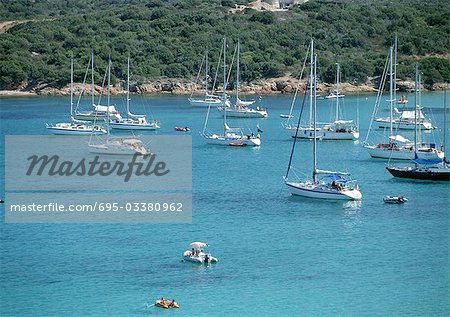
(230, 136)
(116, 146)
(241, 108)
(209, 99)
(397, 147)
(324, 184)
(338, 129)
(72, 127)
(98, 112)
(424, 169)
(133, 121)
(405, 119)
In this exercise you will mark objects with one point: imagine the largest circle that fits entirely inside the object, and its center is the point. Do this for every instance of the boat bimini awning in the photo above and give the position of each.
(198, 245)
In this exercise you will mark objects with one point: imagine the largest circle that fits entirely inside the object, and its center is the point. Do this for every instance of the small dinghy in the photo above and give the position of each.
(395, 199)
(286, 116)
(166, 304)
(197, 255)
(183, 129)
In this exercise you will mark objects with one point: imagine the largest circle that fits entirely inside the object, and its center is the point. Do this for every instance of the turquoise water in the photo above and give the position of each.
(278, 255)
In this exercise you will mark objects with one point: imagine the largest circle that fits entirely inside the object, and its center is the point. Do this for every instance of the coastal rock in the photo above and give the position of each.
(405, 85)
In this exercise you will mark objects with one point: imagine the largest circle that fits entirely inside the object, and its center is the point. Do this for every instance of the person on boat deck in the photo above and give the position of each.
(193, 251)
(172, 303)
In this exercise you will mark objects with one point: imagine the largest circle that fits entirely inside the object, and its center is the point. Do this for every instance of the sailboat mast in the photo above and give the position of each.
(224, 87)
(390, 90)
(92, 77)
(415, 110)
(237, 71)
(310, 83)
(313, 81)
(109, 95)
(419, 105)
(128, 86)
(206, 73)
(445, 125)
(71, 89)
(395, 68)
(337, 91)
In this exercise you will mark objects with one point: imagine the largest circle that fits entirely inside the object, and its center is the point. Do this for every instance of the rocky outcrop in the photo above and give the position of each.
(282, 85)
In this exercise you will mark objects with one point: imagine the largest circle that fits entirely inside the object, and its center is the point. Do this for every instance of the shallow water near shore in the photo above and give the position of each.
(278, 254)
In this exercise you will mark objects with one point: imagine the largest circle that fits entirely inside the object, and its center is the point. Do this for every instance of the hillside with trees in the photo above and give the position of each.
(168, 38)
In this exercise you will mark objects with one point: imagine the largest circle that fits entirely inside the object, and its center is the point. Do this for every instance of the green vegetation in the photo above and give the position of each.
(168, 38)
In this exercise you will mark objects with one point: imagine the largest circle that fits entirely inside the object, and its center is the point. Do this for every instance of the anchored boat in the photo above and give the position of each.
(197, 254)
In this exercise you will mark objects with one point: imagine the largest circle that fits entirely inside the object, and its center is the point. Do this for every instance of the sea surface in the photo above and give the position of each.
(278, 255)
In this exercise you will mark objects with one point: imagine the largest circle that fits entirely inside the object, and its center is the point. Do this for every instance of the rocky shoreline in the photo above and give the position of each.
(284, 85)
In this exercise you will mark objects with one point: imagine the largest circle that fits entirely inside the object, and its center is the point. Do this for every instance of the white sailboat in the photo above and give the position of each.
(397, 147)
(338, 129)
(241, 108)
(72, 127)
(230, 136)
(116, 145)
(404, 119)
(324, 184)
(133, 121)
(98, 112)
(209, 99)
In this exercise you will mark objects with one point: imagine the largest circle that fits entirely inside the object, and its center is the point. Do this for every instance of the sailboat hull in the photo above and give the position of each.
(403, 125)
(325, 135)
(220, 140)
(118, 148)
(133, 126)
(204, 103)
(433, 174)
(404, 153)
(74, 129)
(244, 113)
(388, 153)
(321, 192)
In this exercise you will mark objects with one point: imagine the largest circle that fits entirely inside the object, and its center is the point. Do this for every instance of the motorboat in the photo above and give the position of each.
(395, 199)
(183, 129)
(197, 254)
(333, 95)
